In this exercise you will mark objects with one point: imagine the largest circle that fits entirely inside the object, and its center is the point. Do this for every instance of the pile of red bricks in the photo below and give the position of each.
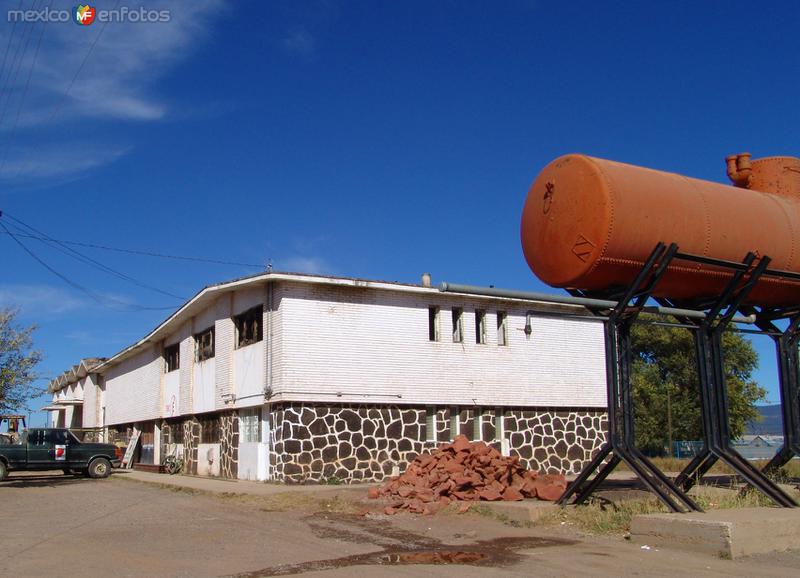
(465, 472)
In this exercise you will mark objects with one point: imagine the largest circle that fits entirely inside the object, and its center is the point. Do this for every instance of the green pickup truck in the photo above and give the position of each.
(57, 449)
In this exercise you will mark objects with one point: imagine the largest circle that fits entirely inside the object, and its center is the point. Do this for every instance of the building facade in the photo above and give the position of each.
(303, 378)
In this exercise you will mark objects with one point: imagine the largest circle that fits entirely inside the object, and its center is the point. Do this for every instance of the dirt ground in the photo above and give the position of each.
(55, 525)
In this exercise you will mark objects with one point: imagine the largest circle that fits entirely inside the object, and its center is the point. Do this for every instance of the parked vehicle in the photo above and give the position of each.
(58, 449)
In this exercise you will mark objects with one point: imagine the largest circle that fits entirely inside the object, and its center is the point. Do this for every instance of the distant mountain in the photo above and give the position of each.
(771, 422)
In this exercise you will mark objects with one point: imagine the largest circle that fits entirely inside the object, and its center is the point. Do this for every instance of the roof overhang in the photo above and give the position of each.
(54, 408)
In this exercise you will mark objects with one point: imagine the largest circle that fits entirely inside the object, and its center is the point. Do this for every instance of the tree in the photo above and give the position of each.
(665, 385)
(18, 360)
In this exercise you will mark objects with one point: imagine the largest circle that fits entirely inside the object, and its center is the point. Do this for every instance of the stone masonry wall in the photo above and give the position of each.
(319, 442)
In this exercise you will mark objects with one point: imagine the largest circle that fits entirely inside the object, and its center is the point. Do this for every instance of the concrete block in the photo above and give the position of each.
(725, 533)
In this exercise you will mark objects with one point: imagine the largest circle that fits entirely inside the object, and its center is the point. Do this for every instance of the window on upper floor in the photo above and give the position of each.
(204, 344)
(433, 323)
(502, 328)
(249, 326)
(458, 325)
(480, 326)
(172, 357)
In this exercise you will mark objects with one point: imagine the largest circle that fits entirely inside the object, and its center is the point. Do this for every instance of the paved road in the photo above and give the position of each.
(55, 525)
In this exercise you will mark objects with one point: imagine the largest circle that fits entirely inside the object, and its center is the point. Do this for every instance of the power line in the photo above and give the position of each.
(141, 252)
(101, 299)
(8, 46)
(60, 104)
(91, 262)
(16, 66)
(22, 98)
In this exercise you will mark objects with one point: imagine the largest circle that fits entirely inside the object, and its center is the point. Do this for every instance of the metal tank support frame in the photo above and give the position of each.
(787, 342)
(620, 444)
(708, 321)
(713, 390)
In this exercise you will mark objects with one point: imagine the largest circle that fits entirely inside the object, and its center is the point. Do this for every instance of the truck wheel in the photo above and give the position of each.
(3, 471)
(66, 471)
(99, 468)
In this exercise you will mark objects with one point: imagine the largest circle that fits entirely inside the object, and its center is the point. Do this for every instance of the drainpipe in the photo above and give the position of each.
(266, 433)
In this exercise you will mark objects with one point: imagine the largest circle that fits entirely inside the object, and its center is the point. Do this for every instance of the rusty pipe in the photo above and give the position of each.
(740, 171)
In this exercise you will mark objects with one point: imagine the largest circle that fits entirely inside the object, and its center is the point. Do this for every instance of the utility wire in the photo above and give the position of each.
(8, 46)
(63, 99)
(24, 94)
(101, 299)
(16, 66)
(91, 262)
(142, 252)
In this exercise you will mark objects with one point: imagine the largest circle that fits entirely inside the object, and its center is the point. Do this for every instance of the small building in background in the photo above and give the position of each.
(758, 447)
(303, 378)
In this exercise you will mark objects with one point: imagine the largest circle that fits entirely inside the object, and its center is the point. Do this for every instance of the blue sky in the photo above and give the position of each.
(364, 139)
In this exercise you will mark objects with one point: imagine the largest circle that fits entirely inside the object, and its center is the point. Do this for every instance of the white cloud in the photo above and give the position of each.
(70, 159)
(120, 71)
(118, 81)
(39, 299)
(298, 264)
(301, 41)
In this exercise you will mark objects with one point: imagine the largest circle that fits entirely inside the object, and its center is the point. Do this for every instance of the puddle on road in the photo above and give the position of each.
(498, 552)
(435, 557)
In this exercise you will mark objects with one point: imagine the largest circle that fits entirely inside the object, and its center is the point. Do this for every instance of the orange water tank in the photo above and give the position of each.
(590, 223)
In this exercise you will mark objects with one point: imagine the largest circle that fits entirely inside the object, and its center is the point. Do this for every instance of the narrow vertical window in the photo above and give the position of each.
(499, 425)
(477, 424)
(458, 325)
(172, 357)
(430, 423)
(204, 344)
(455, 428)
(480, 326)
(433, 323)
(502, 328)
(249, 326)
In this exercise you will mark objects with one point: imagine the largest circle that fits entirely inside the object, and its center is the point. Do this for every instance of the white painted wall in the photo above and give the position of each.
(208, 460)
(351, 345)
(203, 382)
(252, 461)
(357, 344)
(133, 387)
(249, 375)
(171, 402)
(90, 401)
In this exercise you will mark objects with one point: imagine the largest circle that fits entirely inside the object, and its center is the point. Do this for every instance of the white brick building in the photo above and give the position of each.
(306, 378)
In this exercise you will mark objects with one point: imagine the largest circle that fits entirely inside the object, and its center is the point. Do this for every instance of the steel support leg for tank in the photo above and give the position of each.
(620, 445)
(786, 344)
(713, 390)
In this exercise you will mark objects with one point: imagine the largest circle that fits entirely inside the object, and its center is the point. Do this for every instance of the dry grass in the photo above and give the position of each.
(601, 516)
(674, 465)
